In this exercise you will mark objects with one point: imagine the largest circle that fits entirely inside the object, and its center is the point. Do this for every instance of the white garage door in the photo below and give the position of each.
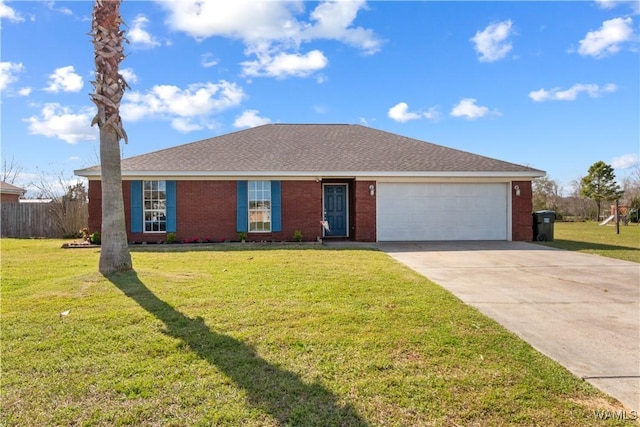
(408, 212)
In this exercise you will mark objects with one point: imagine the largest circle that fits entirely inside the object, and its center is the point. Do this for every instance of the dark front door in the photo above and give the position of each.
(335, 209)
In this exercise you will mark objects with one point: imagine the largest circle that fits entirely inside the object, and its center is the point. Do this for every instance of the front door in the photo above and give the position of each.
(335, 210)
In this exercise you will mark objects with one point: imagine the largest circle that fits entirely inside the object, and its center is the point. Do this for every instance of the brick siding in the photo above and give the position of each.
(207, 210)
(365, 212)
(521, 212)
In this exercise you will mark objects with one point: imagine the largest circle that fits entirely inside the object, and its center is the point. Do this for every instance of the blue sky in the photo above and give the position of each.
(552, 85)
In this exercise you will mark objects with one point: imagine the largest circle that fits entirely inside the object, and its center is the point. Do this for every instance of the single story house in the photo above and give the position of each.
(326, 181)
(10, 193)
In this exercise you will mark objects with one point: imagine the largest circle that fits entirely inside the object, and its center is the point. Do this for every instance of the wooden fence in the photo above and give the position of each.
(53, 219)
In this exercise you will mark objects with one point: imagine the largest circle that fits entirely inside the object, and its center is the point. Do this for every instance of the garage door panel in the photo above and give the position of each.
(410, 211)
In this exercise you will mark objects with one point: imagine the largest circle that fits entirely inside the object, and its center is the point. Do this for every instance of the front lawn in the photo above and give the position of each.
(589, 237)
(262, 336)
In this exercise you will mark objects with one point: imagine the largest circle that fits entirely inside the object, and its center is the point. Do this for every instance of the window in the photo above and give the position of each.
(155, 206)
(259, 206)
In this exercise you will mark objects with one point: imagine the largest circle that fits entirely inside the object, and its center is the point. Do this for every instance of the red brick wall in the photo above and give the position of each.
(301, 209)
(95, 206)
(364, 227)
(521, 212)
(207, 210)
(9, 198)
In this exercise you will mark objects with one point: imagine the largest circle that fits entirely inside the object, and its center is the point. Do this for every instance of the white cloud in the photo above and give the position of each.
(64, 79)
(606, 4)
(272, 31)
(247, 20)
(634, 5)
(432, 114)
(9, 13)
(284, 64)
(249, 119)
(60, 122)
(64, 10)
(24, 91)
(207, 60)
(139, 36)
(607, 40)
(556, 94)
(187, 109)
(492, 43)
(468, 109)
(625, 161)
(185, 125)
(400, 113)
(129, 76)
(333, 20)
(8, 71)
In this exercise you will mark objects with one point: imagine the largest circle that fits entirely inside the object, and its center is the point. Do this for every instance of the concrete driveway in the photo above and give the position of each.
(581, 310)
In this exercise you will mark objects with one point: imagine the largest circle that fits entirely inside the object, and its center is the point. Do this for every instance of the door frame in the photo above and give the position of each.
(346, 208)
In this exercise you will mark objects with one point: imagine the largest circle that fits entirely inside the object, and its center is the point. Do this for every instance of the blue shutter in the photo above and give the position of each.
(136, 206)
(171, 206)
(242, 213)
(276, 210)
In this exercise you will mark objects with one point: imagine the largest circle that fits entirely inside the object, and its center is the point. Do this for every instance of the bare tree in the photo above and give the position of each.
(577, 206)
(68, 208)
(546, 194)
(10, 171)
(109, 88)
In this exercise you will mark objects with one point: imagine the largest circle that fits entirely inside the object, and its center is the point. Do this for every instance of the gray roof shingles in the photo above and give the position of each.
(7, 188)
(311, 148)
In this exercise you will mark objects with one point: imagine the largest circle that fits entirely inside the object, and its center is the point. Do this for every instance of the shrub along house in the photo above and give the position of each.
(363, 184)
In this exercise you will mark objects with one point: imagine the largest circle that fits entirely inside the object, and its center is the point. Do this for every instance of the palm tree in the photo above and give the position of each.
(109, 88)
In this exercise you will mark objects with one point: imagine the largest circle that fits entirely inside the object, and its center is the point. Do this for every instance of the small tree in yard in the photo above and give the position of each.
(109, 89)
(600, 185)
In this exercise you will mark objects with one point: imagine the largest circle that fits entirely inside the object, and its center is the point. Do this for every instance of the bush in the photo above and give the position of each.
(94, 239)
(171, 238)
(298, 236)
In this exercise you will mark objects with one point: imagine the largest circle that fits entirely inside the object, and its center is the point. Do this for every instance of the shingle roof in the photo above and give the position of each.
(308, 149)
(7, 188)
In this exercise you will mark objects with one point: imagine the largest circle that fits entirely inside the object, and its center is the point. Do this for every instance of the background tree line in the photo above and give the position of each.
(590, 196)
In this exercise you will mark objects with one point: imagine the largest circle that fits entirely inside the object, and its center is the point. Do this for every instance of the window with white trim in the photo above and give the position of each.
(154, 198)
(259, 206)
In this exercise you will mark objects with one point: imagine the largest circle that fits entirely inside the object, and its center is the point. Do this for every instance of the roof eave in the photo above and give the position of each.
(533, 173)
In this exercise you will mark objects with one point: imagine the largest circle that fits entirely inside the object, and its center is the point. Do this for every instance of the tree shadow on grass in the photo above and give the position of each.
(282, 394)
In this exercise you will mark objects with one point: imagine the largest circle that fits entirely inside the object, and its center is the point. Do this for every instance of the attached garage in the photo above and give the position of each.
(442, 211)
(321, 181)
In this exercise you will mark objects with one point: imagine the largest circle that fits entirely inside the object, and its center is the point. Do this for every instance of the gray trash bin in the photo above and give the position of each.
(543, 225)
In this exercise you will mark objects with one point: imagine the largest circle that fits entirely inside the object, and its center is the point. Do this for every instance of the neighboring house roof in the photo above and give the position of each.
(313, 149)
(6, 188)
(36, 201)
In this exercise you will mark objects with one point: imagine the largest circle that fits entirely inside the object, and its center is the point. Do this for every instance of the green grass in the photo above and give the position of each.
(589, 237)
(262, 337)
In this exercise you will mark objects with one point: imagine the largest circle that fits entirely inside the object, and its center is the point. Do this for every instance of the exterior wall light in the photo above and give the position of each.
(517, 190)
(372, 190)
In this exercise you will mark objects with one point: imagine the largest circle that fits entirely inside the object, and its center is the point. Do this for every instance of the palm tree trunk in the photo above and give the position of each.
(114, 252)
(109, 89)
